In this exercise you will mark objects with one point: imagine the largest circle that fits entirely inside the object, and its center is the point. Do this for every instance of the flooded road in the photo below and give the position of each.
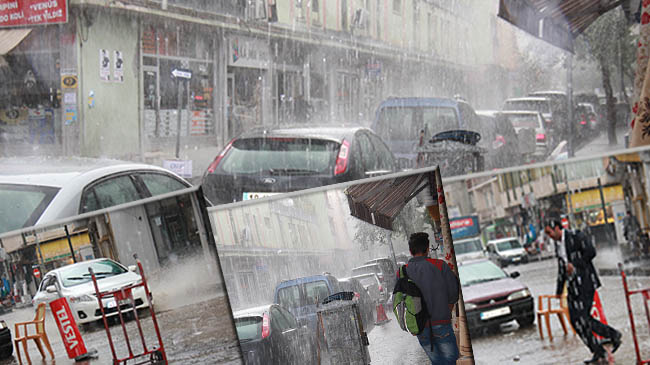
(524, 346)
(199, 333)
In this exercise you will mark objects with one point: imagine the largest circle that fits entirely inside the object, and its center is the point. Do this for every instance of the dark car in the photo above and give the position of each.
(270, 334)
(387, 277)
(388, 269)
(493, 297)
(268, 161)
(6, 344)
(303, 296)
(399, 121)
(500, 139)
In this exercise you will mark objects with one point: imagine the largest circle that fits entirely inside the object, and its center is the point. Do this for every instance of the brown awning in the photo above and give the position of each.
(558, 22)
(10, 38)
(379, 202)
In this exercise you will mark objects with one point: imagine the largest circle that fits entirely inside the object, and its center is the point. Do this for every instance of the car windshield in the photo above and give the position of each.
(281, 156)
(537, 105)
(22, 205)
(508, 245)
(523, 120)
(479, 272)
(405, 123)
(367, 280)
(468, 246)
(77, 274)
(248, 328)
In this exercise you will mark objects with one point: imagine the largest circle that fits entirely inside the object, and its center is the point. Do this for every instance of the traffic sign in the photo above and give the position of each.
(37, 273)
(182, 73)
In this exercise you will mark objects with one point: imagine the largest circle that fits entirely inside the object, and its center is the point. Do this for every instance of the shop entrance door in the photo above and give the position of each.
(151, 87)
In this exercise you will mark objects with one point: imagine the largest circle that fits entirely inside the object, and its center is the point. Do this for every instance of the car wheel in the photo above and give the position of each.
(526, 321)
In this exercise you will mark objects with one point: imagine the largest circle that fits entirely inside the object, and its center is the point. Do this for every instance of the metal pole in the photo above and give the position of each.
(178, 124)
(67, 235)
(569, 94)
(568, 192)
(462, 334)
(602, 202)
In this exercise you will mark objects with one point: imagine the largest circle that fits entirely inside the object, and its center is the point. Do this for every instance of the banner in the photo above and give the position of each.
(15, 13)
(68, 329)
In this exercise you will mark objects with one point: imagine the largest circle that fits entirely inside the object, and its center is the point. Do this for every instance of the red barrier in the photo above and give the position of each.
(68, 329)
(645, 293)
(598, 312)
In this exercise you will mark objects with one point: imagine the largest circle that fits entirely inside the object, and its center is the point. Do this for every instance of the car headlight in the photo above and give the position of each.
(82, 298)
(519, 294)
(469, 306)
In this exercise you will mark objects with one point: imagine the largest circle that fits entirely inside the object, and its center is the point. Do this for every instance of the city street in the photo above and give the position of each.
(200, 333)
(514, 345)
(390, 345)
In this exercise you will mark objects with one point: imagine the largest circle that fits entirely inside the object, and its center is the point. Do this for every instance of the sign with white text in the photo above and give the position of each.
(16, 13)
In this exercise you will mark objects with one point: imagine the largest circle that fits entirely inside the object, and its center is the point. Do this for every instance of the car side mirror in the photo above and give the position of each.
(51, 289)
(514, 274)
(133, 268)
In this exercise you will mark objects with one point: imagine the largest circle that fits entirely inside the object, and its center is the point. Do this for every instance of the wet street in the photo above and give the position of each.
(198, 333)
(523, 346)
(390, 345)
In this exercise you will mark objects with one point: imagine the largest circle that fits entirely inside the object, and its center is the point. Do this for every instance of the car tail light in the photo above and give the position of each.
(499, 141)
(548, 121)
(342, 158)
(215, 163)
(357, 295)
(583, 122)
(266, 327)
(541, 137)
(381, 288)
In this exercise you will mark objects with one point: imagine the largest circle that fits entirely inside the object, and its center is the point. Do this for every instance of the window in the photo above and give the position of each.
(397, 6)
(289, 317)
(385, 159)
(315, 6)
(289, 297)
(22, 205)
(316, 292)
(368, 155)
(160, 184)
(110, 192)
(278, 321)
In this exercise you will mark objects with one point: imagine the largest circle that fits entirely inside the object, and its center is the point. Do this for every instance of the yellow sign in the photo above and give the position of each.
(69, 82)
(59, 248)
(589, 199)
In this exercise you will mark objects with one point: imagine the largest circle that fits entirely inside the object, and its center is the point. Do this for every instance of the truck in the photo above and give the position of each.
(466, 234)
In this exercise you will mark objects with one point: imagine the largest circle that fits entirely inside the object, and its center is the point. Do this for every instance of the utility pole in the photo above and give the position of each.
(569, 95)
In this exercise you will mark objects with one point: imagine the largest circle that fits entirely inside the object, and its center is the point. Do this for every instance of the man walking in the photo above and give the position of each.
(575, 253)
(440, 291)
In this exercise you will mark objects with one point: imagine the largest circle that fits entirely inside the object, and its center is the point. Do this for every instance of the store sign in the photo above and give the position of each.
(15, 13)
(462, 227)
(69, 81)
(180, 167)
(249, 52)
(182, 73)
(72, 340)
(36, 272)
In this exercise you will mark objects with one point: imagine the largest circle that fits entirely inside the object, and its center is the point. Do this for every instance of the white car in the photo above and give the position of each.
(506, 251)
(74, 282)
(534, 122)
(469, 249)
(42, 190)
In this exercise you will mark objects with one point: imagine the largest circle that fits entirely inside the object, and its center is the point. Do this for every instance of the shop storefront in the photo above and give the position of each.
(248, 84)
(166, 47)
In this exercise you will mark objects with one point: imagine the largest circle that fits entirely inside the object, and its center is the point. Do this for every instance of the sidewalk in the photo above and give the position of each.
(608, 257)
(601, 144)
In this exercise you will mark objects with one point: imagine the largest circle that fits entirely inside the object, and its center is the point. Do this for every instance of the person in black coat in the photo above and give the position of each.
(575, 254)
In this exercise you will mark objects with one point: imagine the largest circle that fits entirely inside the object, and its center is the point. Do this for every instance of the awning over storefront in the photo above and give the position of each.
(379, 202)
(557, 22)
(10, 38)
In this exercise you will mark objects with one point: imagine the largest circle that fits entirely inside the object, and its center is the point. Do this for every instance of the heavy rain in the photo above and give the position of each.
(143, 131)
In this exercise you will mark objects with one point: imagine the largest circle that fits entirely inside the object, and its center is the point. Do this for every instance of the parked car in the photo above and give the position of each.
(531, 122)
(559, 104)
(270, 334)
(387, 278)
(303, 296)
(469, 249)
(587, 118)
(493, 297)
(506, 251)
(41, 190)
(6, 342)
(499, 137)
(377, 292)
(363, 297)
(269, 161)
(400, 121)
(387, 268)
(75, 284)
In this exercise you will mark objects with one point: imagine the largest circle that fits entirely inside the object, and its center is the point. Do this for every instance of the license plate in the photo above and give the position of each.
(251, 196)
(111, 303)
(495, 313)
(515, 259)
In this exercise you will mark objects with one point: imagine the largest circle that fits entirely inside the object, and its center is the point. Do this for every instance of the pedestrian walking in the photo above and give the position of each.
(575, 254)
(440, 291)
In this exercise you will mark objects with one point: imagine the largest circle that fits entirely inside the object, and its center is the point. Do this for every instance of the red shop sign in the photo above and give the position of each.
(68, 329)
(16, 13)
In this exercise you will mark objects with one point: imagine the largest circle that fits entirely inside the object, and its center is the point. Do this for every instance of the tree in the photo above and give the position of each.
(608, 42)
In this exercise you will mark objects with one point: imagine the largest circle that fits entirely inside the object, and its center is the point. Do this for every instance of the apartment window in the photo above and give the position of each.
(314, 6)
(397, 6)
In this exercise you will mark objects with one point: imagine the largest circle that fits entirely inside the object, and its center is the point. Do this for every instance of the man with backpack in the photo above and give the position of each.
(424, 296)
